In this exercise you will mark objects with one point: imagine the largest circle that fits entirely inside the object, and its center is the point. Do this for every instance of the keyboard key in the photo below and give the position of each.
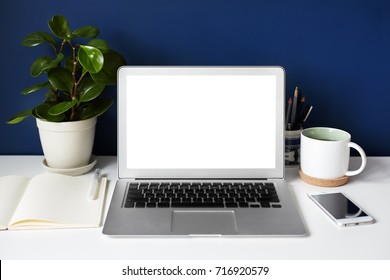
(269, 186)
(163, 205)
(268, 199)
(131, 194)
(137, 199)
(197, 205)
(254, 205)
(129, 204)
(134, 190)
(151, 205)
(231, 205)
(133, 185)
(243, 204)
(140, 204)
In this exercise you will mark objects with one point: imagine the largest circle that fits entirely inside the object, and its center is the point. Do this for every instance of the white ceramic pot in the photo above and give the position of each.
(67, 144)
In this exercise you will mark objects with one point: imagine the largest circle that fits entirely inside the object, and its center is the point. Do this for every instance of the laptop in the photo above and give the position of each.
(201, 153)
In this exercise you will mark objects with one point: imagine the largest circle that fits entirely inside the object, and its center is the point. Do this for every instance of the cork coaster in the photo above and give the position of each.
(323, 182)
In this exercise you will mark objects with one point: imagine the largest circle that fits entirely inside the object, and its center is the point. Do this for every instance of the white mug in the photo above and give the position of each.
(325, 153)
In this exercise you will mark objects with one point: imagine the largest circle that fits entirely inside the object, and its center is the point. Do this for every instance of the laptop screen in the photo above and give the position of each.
(189, 121)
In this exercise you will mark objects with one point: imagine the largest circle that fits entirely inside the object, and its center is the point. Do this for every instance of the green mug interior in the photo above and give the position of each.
(326, 134)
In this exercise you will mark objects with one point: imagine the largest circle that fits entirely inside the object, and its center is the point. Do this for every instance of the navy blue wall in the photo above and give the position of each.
(337, 51)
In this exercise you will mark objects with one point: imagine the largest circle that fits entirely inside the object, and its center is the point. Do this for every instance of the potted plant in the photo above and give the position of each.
(76, 74)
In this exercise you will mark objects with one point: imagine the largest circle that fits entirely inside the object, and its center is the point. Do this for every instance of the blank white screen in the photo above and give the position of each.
(201, 121)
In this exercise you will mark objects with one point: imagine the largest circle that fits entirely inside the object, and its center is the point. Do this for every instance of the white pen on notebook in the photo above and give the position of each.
(94, 187)
(103, 182)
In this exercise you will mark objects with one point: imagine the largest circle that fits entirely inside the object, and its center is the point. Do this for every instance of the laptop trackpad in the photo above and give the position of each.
(204, 222)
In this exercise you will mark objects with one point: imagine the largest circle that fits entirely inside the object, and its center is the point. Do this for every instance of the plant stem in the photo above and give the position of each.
(74, 95)
(62, 46)
(73, 115)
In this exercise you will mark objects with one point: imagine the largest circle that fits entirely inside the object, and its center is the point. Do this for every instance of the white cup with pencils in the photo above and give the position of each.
(296, 115)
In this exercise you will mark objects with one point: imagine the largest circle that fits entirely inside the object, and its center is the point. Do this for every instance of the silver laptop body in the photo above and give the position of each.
(216, 128)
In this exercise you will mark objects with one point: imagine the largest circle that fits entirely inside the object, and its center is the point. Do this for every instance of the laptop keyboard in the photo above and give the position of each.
(199, 195)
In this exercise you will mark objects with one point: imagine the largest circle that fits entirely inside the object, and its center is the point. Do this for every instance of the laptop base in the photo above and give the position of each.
(224, 222)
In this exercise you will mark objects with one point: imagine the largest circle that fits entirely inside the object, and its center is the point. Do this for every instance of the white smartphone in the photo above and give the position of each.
(341, 209)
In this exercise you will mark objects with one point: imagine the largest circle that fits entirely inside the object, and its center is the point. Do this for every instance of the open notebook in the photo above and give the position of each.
(49, 201)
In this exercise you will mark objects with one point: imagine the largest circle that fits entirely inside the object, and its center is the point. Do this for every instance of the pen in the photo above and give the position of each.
(94, 186)
(308, 113)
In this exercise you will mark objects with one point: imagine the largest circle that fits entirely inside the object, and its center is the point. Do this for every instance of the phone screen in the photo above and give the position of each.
(339, 206)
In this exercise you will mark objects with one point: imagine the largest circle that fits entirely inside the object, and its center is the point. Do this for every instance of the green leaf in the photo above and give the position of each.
(91, 58)
(44, 64)
(61, 107)
(96, 108)
(61, 79)
(51, 96)
(37, 38)
(89, 90)
(86, 32)
(35, 88)
(19, 117)
(60, 27)
(108, 75)
(42, 112)
(99, 44)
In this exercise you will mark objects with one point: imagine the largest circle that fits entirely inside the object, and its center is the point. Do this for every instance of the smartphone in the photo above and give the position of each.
(341, 209)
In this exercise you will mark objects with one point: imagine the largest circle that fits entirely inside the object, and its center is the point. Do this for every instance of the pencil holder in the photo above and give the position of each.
(292, 147)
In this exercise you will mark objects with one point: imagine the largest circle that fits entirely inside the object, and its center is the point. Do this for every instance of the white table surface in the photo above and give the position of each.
(325, 240)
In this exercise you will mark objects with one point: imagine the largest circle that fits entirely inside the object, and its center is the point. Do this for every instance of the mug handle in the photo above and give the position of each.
(364, 159)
